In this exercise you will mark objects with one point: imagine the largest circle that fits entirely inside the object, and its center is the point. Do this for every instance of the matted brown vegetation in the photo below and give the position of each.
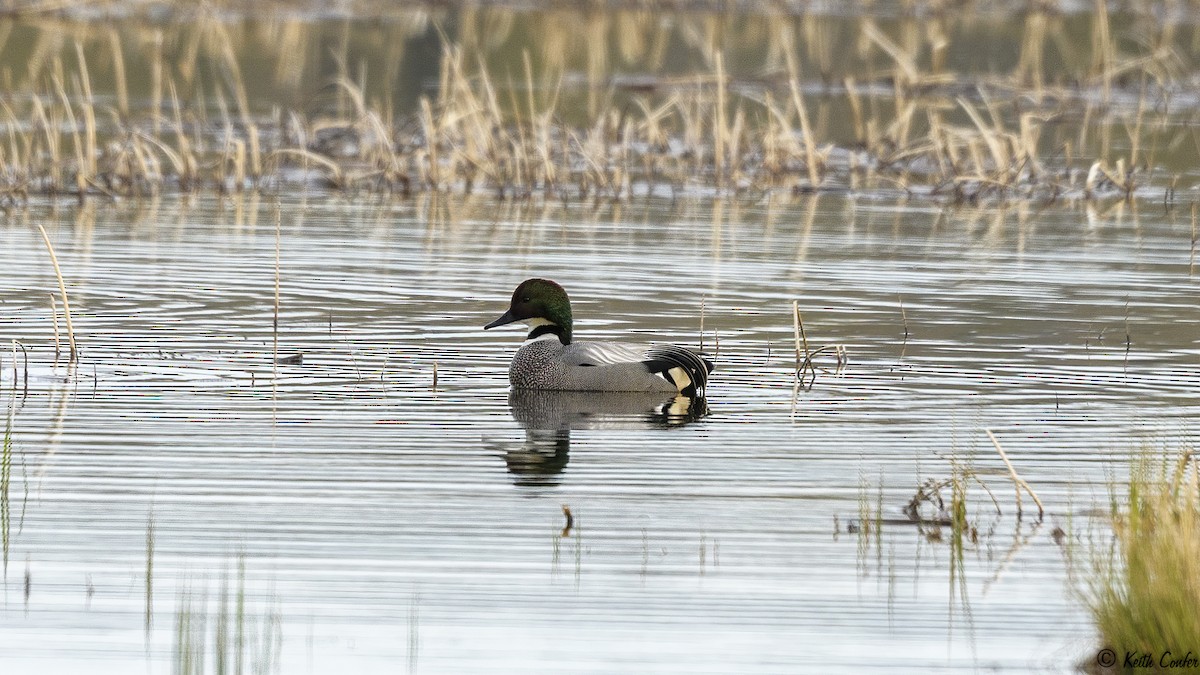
(569, 104)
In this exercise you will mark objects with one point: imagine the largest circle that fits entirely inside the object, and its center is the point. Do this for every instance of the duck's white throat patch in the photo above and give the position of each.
(537, 322)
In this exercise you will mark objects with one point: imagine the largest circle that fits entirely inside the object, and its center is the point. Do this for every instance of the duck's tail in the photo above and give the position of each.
(684, 368)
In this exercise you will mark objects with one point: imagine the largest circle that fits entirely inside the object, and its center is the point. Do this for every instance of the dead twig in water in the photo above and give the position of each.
(801, 339)
(566, 531)
(839, 352)
(805, 363)
(54, 314)
(275, 318)
(1017, 480)
(1128, 339)
(1192, 257)
(25, 357)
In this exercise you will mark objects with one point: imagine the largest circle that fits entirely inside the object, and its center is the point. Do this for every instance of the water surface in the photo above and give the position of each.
(176, 489)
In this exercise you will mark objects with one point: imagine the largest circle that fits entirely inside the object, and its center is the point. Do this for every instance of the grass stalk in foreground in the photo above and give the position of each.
(1146, 587)
(6, 475)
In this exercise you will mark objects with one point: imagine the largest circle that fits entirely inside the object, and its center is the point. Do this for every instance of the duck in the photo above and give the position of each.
(552, 360)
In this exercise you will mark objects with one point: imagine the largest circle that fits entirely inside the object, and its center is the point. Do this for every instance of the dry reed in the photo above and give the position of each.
(914, 122)
(62, 289)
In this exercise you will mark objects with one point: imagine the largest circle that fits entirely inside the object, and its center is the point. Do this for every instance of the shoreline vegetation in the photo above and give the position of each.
(1145, 580)
(1084, 102)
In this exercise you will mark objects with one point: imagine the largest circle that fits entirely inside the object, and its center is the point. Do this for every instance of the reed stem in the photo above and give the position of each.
(62, 289)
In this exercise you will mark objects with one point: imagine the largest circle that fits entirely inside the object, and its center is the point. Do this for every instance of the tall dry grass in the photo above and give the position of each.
(594, 104)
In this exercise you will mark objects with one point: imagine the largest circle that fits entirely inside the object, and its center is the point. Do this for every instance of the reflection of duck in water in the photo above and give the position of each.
(549, 360)
(549, 416)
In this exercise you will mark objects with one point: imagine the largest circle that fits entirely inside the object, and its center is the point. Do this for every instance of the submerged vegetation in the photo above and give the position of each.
(572, 104)
(1146, 586)
(236, 633)
(960, 511)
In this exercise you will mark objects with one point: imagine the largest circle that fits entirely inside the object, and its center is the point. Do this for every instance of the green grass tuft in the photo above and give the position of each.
(1146, 585)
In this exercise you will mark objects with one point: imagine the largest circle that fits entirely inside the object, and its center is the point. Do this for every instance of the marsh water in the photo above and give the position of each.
(179, 500)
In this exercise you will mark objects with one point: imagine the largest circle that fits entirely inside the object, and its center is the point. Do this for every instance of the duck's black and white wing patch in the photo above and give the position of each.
(684, 368)
(604, 353)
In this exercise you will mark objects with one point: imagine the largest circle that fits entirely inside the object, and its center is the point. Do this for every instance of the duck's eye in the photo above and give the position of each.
(525, 298)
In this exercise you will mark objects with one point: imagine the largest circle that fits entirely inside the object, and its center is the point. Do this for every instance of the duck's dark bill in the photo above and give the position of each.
(506, 318)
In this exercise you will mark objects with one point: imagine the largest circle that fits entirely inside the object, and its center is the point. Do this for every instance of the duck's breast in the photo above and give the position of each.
(538, 364)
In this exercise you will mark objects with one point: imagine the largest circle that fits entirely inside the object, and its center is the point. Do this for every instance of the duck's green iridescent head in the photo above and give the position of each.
(543, 305)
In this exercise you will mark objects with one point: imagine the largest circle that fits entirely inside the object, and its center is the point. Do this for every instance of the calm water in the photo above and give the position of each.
(176, 491)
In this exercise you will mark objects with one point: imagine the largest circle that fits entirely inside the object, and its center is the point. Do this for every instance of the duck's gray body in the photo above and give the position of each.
(585, 366)
(551, 361)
